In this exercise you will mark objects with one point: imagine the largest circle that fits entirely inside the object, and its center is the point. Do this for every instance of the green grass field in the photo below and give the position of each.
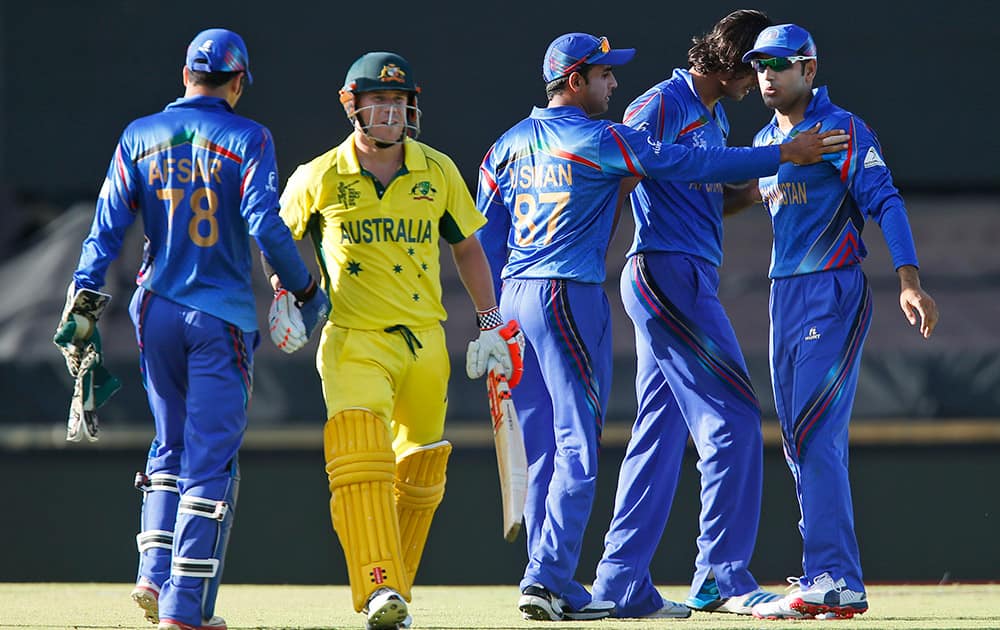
(91, 606)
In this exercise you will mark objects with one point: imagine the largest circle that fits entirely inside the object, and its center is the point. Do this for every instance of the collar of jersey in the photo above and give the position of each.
(686, 76)
(819, 103)
(557, 112)
(414, 158)
(817, 107)
(201, 102)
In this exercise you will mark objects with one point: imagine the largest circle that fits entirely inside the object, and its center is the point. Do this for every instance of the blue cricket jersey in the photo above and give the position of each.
(840, 193)
(549, 185)
(678, 216)
(204, 180)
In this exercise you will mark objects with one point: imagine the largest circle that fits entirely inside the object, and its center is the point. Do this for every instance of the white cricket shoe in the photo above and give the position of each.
(708, 599)
(538, 603)
(669, 610)
(595, 609)
(146, 595)
(828, 597)
(215, 623)
(778, 609)
(386, 610)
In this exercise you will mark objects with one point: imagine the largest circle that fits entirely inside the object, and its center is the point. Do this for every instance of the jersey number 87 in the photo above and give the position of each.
(526, 212)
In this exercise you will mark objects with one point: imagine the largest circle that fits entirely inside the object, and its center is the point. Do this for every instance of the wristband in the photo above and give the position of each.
(490, 318)
(307, 293)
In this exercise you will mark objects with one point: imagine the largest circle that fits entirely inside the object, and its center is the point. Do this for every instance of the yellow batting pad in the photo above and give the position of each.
(420, 482)
(361, 467)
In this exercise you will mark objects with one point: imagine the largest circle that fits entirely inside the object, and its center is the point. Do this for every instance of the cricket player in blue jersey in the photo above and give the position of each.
(821, 308)
(204, 180)
(549, 188)
(691, 376)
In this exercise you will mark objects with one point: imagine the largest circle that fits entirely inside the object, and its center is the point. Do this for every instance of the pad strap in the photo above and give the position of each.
(193, 567)
(154, 538)
(163, 482)
(207, 508)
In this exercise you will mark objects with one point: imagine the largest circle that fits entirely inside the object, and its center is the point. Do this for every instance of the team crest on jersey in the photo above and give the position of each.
(872, 158)
(423, 190)
(347, 195)
(698, 140)
(391, 73)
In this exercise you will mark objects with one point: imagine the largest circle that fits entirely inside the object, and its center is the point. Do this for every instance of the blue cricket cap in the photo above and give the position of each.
(218, 50)
(570, 51)
(783, 40)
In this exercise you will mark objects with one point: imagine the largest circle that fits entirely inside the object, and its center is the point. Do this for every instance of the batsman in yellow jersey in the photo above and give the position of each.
(376, 207)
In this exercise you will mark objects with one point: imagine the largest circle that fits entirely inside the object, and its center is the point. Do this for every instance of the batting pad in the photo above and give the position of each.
(420, 482)
(361, 466)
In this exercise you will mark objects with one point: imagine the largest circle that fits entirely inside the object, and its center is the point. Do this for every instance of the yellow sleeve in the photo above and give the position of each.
(297, 201)
(459, 204)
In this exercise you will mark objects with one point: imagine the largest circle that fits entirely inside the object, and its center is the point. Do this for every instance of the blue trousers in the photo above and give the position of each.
(819, 323)
(691, 379)
(561, 403)
(197, 372)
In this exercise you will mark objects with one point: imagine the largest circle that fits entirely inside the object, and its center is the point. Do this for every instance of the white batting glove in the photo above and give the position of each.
(288, 331)
(496, 343)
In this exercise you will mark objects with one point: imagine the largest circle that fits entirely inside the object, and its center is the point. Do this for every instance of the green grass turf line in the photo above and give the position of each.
(40, 606)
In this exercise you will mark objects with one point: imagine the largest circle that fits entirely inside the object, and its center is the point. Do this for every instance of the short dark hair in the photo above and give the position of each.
(722, 49)
(559, 85)
(211, 79)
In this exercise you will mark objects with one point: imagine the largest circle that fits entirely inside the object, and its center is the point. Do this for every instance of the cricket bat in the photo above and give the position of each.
(512, 462)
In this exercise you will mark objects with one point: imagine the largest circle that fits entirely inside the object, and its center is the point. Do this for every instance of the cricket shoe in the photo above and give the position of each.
(669, 610)
(595, 609)
(779, 609)
(147, 596)
(215, 623)
(826, 597)
(538, 603)
(386, 610)
(708, 599)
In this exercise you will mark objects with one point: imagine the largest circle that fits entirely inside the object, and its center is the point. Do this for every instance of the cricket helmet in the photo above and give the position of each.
(376, 71)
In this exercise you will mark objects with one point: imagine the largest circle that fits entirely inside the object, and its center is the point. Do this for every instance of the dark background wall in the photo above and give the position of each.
(74, 73)
(915, 522)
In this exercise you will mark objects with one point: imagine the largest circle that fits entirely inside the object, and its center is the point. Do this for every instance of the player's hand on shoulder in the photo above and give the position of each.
(498, 344)
(809, 147)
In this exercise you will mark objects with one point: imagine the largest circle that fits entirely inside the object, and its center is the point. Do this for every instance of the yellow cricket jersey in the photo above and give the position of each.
(380, 257)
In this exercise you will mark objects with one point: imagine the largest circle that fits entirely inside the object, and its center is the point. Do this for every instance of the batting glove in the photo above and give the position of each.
(288, 331)
(497, 344)
(292, 321)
